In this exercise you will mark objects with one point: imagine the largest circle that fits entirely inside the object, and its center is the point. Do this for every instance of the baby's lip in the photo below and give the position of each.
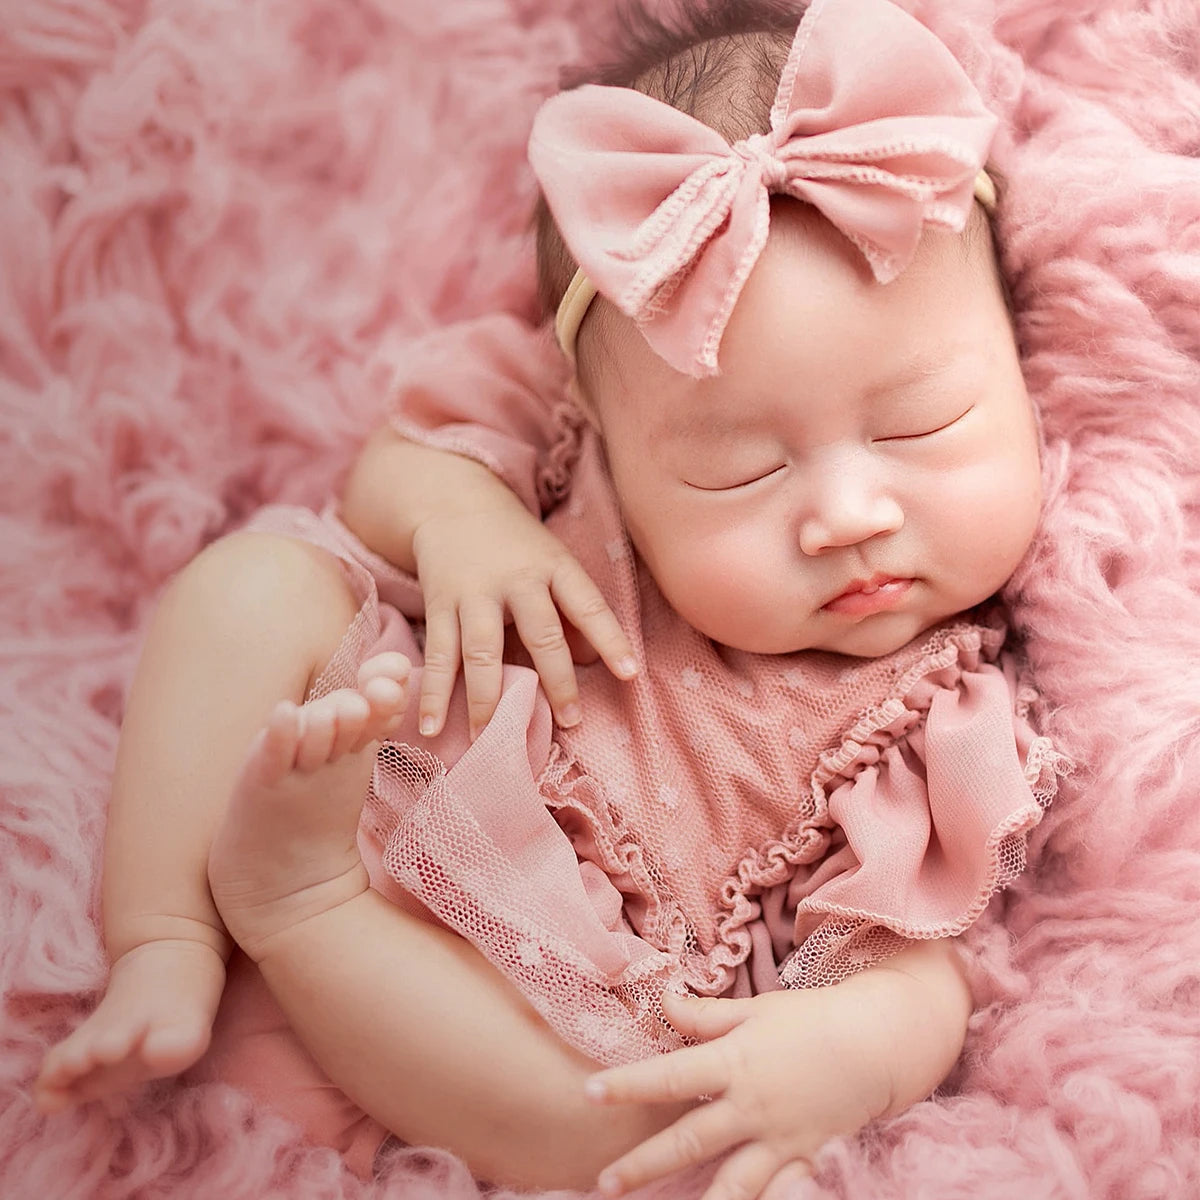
(868, 586)
(863, 597)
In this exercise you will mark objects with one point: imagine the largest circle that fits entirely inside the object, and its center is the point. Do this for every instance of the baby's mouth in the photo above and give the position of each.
(866, 596)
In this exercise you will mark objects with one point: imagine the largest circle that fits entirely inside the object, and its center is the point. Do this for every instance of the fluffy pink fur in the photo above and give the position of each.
(220, 222)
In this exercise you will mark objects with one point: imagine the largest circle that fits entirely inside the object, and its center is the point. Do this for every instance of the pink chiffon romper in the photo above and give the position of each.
(727, 822)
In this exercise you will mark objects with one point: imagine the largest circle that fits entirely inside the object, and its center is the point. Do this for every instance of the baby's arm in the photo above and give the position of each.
(478, 445)
(395, 485)
(482, 558)
(789, 1070)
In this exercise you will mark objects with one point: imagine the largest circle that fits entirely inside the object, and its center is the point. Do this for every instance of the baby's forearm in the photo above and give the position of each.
(396, 485)
(917, 1004)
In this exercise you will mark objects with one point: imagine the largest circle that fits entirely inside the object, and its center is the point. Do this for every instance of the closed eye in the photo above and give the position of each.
(911, 437)
(731, 487)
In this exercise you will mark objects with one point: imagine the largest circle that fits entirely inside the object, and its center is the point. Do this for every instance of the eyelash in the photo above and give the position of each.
(906, 437)
(912, 437)
(733, 487)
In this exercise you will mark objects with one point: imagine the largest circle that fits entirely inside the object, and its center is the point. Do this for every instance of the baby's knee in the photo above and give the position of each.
(265, 588)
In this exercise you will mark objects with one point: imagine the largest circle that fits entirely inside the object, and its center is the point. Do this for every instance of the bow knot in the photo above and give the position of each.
(874, 123)
(760, 150)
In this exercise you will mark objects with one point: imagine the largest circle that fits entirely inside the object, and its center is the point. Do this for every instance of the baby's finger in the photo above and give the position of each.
(746, 1172)
(696, 1137)
(442, 656)
(583, 653)
(788, 1183)
(705, 1017)
(481, 623)
(541, 631)
(684, 1074)
(583, 604)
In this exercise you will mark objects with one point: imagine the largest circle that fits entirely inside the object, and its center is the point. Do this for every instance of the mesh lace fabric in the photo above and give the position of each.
(721, 801)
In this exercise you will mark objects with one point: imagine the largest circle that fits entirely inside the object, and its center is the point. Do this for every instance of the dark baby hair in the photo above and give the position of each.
(717, 60)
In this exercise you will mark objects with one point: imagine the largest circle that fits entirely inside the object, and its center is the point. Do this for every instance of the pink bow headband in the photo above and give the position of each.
(874, 123)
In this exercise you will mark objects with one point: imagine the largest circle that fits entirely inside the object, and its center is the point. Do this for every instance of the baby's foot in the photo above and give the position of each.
(287, 849)
(155, 1020)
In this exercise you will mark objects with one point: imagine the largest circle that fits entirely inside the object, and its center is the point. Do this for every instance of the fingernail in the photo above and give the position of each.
(627, 667)
(594, 1089)
(571, 715)
(428, 725)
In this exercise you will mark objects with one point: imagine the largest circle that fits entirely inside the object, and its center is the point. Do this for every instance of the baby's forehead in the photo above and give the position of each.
(810, 285)
(795, 222)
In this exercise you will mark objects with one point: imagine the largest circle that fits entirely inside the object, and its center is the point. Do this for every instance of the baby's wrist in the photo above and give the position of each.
(917, 1007)
(449, 522)
(397, 485)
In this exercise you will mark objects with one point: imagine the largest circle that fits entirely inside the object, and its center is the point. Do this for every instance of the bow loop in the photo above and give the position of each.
(667, 241)
(874, 123)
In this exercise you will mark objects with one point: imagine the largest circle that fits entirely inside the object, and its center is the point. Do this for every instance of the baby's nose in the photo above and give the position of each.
(845, 510)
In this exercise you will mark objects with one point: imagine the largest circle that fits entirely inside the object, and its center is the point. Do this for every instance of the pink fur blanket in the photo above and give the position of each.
(222, 222)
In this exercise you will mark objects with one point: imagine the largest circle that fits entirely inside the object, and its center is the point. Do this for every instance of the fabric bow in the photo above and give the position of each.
(874, 123)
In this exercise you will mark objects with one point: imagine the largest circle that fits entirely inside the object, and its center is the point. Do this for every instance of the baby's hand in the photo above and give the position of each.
(785, 1073)
(478, 571)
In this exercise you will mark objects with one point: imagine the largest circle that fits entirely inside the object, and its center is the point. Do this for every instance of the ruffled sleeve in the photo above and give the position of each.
(927, 827)
(494, 390)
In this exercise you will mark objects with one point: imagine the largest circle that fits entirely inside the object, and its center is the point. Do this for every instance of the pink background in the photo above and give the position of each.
(222, 222)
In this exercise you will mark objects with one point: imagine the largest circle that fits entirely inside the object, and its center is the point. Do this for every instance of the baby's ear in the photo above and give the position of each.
(583, 402)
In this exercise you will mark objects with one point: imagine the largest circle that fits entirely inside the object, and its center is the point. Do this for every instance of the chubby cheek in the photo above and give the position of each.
(714, 579)
(985, 525)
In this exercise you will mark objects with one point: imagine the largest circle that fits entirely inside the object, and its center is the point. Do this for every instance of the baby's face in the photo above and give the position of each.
(865, 465)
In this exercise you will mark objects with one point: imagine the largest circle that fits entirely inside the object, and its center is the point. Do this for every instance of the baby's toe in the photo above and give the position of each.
(74, 1057)
(388, 700)
(320, 731)
(353, 712)
(389, 665)
(273, 755)
(57, 1070)
(115, 1044)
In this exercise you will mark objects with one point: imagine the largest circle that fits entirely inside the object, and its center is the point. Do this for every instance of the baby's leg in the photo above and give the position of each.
(285, 849)
(250, 621)
(405, 1016)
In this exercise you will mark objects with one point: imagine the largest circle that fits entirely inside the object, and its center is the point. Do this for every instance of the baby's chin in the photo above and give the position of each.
(872, 637)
